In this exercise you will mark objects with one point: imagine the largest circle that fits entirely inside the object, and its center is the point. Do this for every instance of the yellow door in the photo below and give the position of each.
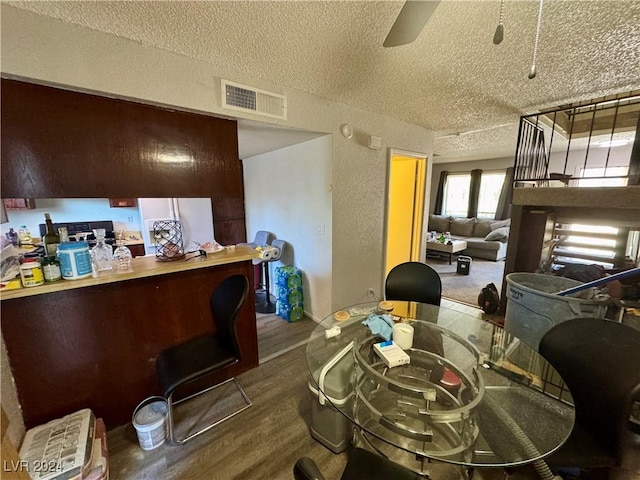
(405, 211)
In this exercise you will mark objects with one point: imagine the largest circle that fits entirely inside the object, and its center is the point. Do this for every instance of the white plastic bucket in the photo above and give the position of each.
(150, 421)
(533, 306)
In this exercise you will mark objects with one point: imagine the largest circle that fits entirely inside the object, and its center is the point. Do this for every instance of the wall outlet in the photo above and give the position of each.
(371, 292)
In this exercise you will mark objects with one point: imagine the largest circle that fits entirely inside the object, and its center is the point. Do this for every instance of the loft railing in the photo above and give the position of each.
(581, 143)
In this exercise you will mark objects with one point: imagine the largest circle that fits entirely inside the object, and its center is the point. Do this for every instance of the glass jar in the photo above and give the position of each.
(31, 273)
(101, 254)
(51, 269)
(122, 255)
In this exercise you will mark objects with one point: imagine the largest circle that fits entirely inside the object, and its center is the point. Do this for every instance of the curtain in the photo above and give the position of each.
(503, 211)
(437, 207)
(474, 193)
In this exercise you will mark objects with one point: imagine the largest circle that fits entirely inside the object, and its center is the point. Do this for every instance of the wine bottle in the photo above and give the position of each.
(51, 239)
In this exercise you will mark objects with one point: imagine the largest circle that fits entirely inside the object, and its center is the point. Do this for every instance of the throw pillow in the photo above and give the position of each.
(483, 227)
(499, 234)
(500, 223)
(462, 227)
(439, 223)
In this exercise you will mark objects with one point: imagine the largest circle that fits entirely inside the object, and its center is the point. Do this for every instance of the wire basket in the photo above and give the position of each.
(167, 238)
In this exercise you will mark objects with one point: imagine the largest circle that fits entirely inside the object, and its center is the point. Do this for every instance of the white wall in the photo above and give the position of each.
(595, 157)
(288, 192)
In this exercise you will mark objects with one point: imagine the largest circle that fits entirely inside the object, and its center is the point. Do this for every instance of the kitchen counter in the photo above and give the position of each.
(146, 266)
(92, 343)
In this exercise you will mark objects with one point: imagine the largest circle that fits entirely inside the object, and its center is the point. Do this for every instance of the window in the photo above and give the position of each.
(456, 194)
(587, 244)
(585, 173)
(490, 188)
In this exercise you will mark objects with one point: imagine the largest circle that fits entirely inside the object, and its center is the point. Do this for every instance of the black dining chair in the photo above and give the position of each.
(362, 465)
(599, 361)
(413, 282)
(191, 361)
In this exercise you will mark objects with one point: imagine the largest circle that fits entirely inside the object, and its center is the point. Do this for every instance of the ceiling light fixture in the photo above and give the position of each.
(613, 143)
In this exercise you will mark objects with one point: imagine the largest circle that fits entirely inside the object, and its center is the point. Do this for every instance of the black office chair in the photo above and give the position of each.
(194, 359)
(599, 361)
(362, 465)
(413, 282)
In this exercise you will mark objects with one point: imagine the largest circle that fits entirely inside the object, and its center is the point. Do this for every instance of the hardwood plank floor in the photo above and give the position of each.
(264, 441)
(277, 336)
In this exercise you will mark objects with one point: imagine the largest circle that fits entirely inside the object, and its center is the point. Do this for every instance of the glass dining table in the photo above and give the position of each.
(471, 394)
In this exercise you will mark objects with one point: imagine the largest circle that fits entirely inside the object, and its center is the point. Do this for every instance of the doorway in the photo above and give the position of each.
(405, 209)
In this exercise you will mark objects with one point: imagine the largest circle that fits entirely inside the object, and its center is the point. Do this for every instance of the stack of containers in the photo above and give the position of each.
(290, 304)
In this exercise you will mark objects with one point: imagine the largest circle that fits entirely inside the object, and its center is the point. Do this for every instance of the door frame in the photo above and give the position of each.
(391, 152)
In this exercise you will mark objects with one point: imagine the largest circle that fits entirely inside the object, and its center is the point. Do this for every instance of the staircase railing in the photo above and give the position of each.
(596, 140)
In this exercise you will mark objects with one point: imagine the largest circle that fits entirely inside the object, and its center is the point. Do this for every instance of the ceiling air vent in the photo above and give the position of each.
(249, 99)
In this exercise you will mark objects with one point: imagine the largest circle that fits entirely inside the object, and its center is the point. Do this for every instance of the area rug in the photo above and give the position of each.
(465, 288)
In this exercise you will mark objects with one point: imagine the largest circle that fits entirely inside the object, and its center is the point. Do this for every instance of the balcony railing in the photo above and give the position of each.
(595, 140)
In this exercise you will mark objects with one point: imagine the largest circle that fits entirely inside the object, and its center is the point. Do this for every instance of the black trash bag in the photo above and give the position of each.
(489, 299)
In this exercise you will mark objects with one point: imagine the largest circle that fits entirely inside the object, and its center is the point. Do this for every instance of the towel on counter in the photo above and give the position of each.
(381, 325)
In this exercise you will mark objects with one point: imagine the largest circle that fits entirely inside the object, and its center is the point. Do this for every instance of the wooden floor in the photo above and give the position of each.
(264, 441)
(277, 336)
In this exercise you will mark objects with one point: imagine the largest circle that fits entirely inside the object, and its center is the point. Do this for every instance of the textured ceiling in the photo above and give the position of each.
(452, 79)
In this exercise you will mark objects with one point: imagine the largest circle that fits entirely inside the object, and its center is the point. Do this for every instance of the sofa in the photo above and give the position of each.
(485, 238)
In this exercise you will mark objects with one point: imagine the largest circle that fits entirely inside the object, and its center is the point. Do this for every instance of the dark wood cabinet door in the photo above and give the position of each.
(58, 143)
(136, 250)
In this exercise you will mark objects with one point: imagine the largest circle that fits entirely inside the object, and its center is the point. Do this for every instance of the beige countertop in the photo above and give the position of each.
(146, 266)
(132, 238)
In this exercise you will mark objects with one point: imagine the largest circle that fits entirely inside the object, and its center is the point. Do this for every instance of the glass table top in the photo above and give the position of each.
(470, 395)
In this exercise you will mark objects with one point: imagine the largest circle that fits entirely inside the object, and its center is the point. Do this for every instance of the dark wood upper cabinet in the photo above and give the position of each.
(59, 143)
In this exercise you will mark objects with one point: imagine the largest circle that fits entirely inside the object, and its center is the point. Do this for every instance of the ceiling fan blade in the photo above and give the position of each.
(412, 18)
